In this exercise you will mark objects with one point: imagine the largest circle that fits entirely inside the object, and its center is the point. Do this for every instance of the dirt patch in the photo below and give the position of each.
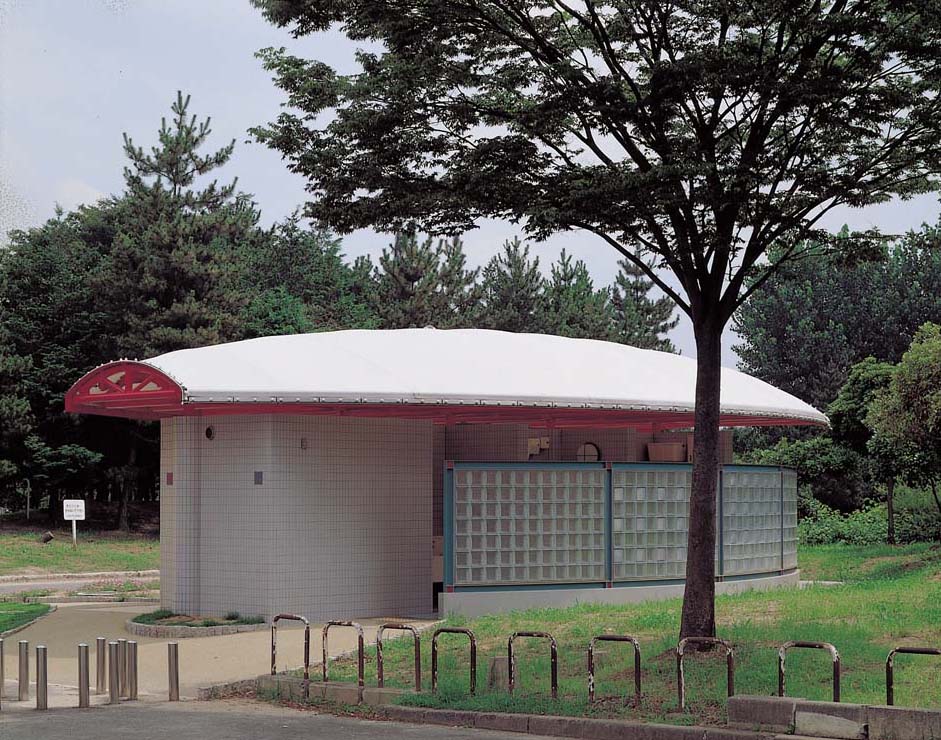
(756, 612)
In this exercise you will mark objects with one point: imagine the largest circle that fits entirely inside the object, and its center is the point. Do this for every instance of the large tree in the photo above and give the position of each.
(423, 282)
(51, 331)
(905, 415)
(146, 271)
(572, 305)
(639, 320)
(513, 290)
(169, 272)
(296, 280)
(689, 136)
(848, 414)
(815, 319)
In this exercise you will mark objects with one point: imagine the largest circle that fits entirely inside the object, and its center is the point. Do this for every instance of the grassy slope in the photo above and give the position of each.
(14, 614)
(892, 596)
(21, 552)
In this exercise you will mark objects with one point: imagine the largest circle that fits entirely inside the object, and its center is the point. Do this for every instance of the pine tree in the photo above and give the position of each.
(639, 320)
(573, 307)
(169, 272)
(422, 283)
(459, 293)
(513, 291)
(408, 282)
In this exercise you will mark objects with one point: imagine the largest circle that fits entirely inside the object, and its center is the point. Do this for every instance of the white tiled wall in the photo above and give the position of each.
(338, 527)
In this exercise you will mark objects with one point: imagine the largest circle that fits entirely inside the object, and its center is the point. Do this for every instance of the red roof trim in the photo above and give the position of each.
(128, 389)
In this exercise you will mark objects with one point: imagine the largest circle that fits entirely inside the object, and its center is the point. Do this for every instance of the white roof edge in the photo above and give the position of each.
(461, 367)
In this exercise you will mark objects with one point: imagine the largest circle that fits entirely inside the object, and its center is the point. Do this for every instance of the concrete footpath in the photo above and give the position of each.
(203, 660)
(220, 720)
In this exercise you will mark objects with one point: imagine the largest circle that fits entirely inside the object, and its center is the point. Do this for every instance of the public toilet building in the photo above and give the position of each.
(357, 473)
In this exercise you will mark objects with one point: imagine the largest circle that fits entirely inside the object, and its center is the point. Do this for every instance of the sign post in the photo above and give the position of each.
(73, 510)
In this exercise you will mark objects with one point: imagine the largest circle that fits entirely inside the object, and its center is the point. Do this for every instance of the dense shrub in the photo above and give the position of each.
(916, 516)
(823, 525)
(917, 519)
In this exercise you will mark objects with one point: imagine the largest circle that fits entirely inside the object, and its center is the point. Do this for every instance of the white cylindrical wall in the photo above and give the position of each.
(322, 516)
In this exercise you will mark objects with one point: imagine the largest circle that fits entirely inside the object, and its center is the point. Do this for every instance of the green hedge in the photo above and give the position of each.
(916, 520)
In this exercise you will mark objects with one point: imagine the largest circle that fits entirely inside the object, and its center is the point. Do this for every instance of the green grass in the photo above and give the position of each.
(22, 552)
(168, 617)
(15, 614)
(117, 587)
(892, 596)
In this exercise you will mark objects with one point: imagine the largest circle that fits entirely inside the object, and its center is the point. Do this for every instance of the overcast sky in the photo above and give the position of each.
(76, 74)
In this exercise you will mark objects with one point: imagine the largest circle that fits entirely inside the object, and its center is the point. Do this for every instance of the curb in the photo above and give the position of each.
(573, 727)
(224, 690)
(179, 632)
(292, 688)
(44, 577)
(52, 608)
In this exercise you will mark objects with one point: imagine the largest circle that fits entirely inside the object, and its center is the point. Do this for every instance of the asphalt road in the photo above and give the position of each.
(242, 720)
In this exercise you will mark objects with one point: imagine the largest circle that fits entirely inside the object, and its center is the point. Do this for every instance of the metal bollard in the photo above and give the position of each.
(173, 664)
(3, 692)
(24, 671)
(42, 678)
(132, 670)
(122, 667)
(113, 685)
(101, 656)
(83, 698)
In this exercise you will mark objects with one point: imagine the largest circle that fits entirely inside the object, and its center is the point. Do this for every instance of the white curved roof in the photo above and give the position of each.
(461, 366)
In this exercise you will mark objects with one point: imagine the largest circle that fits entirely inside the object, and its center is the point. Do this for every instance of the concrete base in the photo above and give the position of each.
(478, 603)
(827, 719)
(292, 687)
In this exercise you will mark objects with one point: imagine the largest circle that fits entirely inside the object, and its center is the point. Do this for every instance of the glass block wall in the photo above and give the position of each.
(789, 555)
(589, 523)
(526, 525)
(751, 521)
(649, 511)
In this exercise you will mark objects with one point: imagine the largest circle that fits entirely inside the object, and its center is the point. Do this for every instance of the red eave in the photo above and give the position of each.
(127, 389)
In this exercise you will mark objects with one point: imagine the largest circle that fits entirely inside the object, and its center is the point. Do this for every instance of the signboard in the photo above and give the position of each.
(73, 510)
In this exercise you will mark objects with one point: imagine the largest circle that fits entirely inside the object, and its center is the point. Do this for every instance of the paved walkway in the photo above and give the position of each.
(217, 721)
(203, 660)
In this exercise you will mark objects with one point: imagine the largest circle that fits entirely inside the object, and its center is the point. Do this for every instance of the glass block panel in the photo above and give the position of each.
(649, 524)
(790, 519)
(751, 522)
(540, 526)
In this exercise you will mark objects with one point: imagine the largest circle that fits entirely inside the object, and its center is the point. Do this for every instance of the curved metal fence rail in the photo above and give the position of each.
(274, 646)
(681, 678)
(359, 647)
(380, 674)
(473, 655)
(782, 657)
(890, 668)
(591, 663)
(553, 660)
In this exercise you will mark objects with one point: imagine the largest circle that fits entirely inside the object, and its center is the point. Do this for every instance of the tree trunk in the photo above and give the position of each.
(128, 479)
(890, 509)
(937, 501)
(699, 618)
